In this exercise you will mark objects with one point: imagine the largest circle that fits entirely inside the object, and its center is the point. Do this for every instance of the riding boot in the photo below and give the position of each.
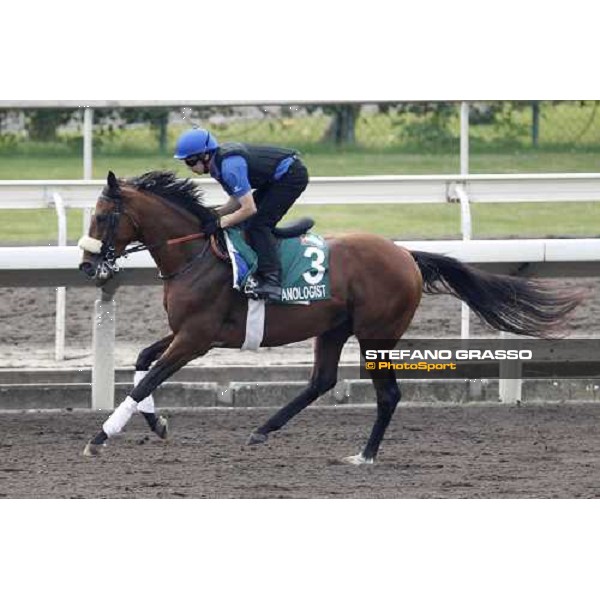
(269, 270)
(269, 286)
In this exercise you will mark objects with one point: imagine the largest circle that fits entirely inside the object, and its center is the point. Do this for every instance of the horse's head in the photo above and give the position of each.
(111, 229)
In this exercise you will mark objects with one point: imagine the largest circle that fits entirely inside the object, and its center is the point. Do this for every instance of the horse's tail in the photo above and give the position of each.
(513, 304)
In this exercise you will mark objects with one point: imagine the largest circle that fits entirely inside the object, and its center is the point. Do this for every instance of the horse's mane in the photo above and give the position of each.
(182, 192)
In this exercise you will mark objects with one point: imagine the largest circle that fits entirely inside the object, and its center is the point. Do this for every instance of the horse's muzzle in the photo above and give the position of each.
(88, 268)
(99, 270)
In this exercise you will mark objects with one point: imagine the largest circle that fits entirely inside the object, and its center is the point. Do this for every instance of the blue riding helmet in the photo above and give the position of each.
(195, 141)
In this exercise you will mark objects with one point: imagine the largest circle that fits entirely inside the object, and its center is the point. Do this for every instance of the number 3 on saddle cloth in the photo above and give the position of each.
(304, 266)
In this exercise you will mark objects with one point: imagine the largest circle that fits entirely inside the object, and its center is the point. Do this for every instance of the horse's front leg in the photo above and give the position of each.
(146, 357)
(183, 348)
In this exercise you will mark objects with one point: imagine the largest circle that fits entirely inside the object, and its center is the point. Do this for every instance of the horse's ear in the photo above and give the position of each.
(113, 184)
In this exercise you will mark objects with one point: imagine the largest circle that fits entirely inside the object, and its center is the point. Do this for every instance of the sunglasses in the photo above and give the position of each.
(191, 161)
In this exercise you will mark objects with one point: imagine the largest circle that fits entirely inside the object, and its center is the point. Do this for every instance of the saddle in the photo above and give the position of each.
(293, 229)
(304, 259)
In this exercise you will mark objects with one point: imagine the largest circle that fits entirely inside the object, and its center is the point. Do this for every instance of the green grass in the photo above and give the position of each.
(568, 219)
(394, 221)
(37, 227)
(71, 167)
(133, 152)
(387, 163)
(401, 221)
(319, 164)
(398, 221)
(440, 221)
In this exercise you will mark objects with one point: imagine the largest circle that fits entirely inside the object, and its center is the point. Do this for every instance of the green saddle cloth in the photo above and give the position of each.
(304, 265)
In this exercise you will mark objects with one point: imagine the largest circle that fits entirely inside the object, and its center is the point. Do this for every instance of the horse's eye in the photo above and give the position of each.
(101, 218)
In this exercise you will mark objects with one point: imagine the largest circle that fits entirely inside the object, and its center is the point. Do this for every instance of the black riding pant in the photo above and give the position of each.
(273, 201)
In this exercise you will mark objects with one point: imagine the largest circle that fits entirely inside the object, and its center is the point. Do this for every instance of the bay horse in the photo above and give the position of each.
(376, 287)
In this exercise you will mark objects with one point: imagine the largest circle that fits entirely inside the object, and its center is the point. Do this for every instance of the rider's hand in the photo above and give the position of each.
(212, 227)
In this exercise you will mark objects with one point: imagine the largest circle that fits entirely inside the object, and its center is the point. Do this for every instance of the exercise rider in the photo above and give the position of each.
(262, 183)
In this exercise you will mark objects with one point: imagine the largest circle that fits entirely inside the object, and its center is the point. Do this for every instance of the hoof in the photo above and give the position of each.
(256, 438)
(162, 428)
(93, 449)
(358, 459)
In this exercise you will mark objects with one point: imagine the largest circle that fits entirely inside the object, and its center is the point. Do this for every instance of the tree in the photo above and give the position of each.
(43, 123)
(117, 118)
(157, 118)
(342, 129)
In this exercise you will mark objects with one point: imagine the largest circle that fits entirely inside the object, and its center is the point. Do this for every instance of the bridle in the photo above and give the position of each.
(108, 265)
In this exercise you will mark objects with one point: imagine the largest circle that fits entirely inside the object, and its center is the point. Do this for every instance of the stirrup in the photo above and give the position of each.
(268, 291)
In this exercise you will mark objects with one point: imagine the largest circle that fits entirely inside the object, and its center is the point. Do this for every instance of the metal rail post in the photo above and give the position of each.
(466, 230)
(465, 209)
(103, 370)
(88, 132)
(509, 382)
(61, 292)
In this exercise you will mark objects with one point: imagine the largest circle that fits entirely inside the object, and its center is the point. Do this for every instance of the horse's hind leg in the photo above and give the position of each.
(388, 396)
(328, 348)
(158, 424)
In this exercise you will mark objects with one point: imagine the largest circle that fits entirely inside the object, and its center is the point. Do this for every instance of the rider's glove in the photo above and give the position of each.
(212, 227)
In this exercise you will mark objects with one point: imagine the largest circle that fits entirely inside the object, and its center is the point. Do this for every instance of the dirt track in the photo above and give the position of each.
(431, 452)
(27, 326)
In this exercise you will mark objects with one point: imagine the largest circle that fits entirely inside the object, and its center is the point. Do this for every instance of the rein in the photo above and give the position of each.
(212, 244)
(190, 263)
(171, 242)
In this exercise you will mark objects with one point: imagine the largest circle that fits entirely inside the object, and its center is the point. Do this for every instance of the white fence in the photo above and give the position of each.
(415, 189)
(376, 189)
(52, 266)
(57, 266)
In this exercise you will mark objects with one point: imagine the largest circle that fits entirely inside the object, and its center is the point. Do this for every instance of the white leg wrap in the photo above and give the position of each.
(147, 404)
(120, 417)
